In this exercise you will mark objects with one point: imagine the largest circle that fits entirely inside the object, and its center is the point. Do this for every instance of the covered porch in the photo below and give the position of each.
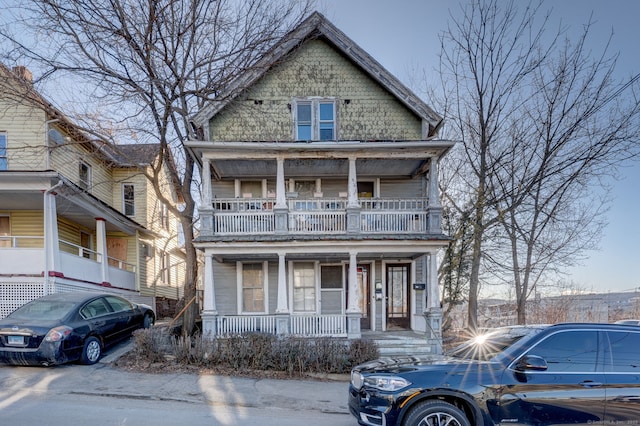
(53, 229)
(337, 288)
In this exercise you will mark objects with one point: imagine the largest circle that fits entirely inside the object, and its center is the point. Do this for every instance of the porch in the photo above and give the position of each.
(319, 215)
(389, 343)
(25, 256)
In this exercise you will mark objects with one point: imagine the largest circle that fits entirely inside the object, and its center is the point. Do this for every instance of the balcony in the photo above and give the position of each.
(20, 255)
(317, 216)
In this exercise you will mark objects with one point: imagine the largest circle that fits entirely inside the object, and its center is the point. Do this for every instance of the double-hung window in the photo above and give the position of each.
(315, 119)
(84, 172)
(253, 288)
(128, 199)
(3, 151)
(304, 287)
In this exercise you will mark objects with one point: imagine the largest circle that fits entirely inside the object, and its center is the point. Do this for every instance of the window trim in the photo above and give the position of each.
(133, 199)
(265, 288)
(87, 183)
(315, 102)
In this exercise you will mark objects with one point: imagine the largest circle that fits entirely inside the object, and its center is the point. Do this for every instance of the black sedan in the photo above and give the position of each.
(66, 327)
(563, 374)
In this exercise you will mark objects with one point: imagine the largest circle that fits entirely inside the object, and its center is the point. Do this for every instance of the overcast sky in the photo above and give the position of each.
(403, 36)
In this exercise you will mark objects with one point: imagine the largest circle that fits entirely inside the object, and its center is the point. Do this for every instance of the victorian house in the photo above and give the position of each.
(320, 211)
(77, 213)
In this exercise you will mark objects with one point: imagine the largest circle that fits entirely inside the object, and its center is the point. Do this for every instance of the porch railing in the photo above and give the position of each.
(300, 325)
(319, 325)
(229, 325)
(18, 241)
(241, 216)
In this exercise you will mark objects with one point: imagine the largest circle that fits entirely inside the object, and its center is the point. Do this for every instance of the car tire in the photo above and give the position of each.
(148, 321)
(91, 351)
(436, 413)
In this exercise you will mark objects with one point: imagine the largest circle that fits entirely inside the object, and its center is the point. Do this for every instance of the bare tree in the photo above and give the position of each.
(149, 65)
(541, 123)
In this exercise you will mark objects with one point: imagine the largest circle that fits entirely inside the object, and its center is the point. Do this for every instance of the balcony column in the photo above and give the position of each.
(282, 311)
(206, 208)
(353, 310)
(433, 314)
(101, 248)
(280, 210)
(353, 206)
(209, 313)
(51, 243)
(435, 209)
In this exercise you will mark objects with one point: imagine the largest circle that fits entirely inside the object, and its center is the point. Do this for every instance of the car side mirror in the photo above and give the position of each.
(531, 362)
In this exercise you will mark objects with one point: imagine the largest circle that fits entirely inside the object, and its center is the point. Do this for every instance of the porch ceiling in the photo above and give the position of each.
(317, 168)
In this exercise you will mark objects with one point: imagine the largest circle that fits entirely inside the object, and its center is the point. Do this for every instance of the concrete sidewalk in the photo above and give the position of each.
(328, 396)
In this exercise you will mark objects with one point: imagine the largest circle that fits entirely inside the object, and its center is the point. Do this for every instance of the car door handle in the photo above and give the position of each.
(590, 384)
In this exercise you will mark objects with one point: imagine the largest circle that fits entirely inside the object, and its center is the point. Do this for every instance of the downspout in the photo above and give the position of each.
(47, 231)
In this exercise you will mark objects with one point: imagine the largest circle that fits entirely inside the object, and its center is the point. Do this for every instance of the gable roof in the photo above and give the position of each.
(317, 26)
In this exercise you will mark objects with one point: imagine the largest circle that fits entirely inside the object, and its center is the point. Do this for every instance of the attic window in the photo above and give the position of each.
(315, 119)
(84, 171)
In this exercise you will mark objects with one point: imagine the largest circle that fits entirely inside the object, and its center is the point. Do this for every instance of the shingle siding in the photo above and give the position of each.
(365, 110)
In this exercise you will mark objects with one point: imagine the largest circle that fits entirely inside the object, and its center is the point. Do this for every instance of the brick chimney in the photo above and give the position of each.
(24, 73)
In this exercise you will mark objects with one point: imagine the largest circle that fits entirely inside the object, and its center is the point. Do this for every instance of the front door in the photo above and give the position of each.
(398, 296)
(363, 295)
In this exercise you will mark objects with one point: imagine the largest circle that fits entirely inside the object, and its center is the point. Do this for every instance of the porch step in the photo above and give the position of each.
(405, 346)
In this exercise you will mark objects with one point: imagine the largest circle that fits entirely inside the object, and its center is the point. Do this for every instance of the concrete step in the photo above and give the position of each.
(390, 347)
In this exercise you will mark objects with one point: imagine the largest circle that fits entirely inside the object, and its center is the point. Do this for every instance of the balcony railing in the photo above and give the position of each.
(324, 216)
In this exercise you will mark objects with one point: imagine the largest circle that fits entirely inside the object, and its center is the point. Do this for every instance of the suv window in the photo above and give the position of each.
(569, 351)
(624, 352)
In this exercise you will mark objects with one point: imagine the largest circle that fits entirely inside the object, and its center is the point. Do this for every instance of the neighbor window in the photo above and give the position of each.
(3, 151)
(253, 287)
(304, 287)
(315, 120)
(128, 199)
(163, 212)
(84, 171)
(165, 267)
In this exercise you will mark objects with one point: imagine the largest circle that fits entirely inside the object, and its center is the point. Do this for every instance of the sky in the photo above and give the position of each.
(403, 36)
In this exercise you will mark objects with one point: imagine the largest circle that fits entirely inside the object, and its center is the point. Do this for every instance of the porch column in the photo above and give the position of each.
(206, 183)
(206, 208)
(51, 243)
(435, 209)
(281, 192)
(434, 311)
(280, 210)
(101, 248)
(209, 312)
(282, 311)
(353, 310)
(353, 206)
(352, 201)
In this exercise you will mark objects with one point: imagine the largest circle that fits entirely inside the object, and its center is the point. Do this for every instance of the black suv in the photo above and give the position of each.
(563, 374)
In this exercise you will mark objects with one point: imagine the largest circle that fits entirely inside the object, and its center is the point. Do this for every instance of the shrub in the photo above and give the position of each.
(255, 351)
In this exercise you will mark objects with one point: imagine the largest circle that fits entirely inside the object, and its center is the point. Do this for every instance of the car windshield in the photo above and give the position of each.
(484, 347)
(43, 310)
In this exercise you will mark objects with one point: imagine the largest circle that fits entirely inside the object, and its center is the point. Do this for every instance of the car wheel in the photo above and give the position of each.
(91, 351)
(148, 321)
(436, 413)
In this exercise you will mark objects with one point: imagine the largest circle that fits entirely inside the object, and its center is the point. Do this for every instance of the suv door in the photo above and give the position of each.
(570, 391)
(622, 373)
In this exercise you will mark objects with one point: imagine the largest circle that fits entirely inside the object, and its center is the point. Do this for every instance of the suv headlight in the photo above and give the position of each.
(356, 380)
(386, 383)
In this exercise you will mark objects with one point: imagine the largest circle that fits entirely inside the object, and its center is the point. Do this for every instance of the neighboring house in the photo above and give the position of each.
(320, 211)
(75, 212)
